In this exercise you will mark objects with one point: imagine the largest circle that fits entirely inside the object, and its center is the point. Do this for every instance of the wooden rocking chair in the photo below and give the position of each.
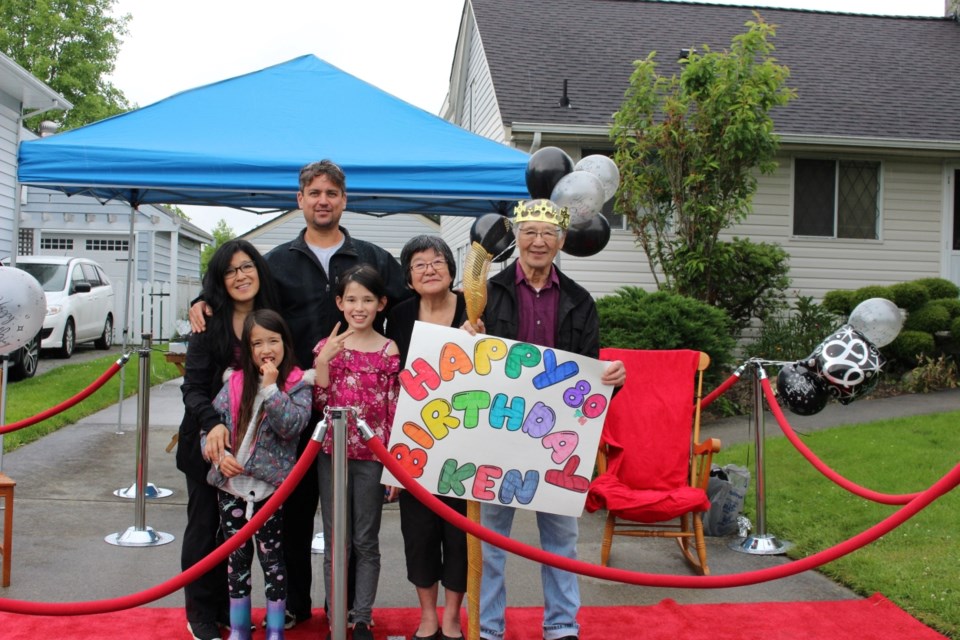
(653, 469)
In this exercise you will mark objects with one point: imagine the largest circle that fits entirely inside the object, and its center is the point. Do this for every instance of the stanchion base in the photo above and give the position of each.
(761, 545)
(134, 537)
(152, 492)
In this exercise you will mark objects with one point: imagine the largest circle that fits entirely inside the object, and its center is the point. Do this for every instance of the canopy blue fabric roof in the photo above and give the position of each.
(241, 143)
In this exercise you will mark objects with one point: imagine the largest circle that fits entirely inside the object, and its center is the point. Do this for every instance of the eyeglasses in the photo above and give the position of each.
(548, 236)
(246, 269)
(438, 265)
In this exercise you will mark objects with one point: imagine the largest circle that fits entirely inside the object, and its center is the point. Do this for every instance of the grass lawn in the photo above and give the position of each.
(917, 565)
(27, 398)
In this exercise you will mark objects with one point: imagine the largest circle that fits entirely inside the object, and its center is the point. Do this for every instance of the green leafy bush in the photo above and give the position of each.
(952, 305)
(908, 347)
(939, 288)
(909, 295)
(931, 375)
(838, 301)
(794, 334)
(930, 318)
(635, 319)
(755, 276)
(872, 291)
(955, 328)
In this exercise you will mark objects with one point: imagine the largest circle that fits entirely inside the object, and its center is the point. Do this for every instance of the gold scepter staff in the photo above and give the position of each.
(475, 267)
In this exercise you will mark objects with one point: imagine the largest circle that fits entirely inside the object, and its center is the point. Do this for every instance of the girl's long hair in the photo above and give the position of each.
(271, 321)
(215, 294)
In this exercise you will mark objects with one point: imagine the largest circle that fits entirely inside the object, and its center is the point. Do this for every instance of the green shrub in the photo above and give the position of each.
(930, 318)
(793, 335)
(635, 319)
(939, 288)
(909, 295)
(931, 375)
(872, 291)
(955, 328)
(754, 277)
(908, 347)
(952, 305)
(838, 301)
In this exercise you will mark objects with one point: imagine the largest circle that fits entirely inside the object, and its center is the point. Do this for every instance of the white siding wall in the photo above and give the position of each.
(390, 232)
(8, 171)
(475, 103)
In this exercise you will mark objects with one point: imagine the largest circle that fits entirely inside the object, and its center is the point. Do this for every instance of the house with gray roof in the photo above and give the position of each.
(866, 188)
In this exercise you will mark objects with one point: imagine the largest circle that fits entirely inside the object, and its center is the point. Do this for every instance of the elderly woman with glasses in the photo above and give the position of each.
(436, 551)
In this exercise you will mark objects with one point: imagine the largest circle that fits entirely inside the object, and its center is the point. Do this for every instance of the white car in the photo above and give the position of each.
(79, 301)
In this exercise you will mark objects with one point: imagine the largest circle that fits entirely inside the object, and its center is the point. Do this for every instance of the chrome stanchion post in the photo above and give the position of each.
(143, 419)
(760, 542)
(140, 535)
(337, 417)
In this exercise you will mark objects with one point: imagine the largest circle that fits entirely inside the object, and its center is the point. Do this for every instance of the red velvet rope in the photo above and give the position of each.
(942, 486)
(882, 498)
(66, 404)
(217, 556)
(722, 389)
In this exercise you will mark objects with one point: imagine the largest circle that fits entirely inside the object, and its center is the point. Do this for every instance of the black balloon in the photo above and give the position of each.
(494, 232)
(848, 363)
(544, 170)
(587, 238)
(802, 390)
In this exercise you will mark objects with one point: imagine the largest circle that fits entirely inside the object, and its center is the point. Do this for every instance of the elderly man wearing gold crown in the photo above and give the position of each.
(533, 301)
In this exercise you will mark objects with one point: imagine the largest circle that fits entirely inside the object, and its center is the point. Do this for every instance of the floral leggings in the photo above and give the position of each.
(269, 550)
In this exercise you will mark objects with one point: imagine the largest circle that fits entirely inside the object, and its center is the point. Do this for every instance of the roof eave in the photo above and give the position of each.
(574, 132)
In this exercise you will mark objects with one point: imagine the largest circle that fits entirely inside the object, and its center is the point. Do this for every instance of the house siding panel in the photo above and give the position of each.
(8, 172)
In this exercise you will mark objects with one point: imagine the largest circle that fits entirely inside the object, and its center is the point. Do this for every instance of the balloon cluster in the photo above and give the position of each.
(581, 188)
(23, 306)
(846, 365)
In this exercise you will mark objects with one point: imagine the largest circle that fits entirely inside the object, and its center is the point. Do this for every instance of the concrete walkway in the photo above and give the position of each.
(65, 507)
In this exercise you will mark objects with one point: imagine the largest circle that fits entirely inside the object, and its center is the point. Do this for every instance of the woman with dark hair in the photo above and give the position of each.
(232, 288)
(436, 551)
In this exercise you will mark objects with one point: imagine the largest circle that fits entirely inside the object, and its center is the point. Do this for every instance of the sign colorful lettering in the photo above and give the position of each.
(496, 420)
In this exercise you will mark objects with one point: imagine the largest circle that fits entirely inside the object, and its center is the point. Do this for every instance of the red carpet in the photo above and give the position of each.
(874, 618)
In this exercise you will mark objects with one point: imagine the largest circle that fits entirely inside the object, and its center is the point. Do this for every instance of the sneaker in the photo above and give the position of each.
(361, 631)
(204, 630)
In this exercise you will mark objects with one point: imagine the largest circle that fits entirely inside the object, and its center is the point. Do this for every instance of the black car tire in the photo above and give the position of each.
(69, 339)
(105, 341)
(23, 361)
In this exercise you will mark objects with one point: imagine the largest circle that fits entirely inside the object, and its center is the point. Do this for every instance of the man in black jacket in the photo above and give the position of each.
(533, 301)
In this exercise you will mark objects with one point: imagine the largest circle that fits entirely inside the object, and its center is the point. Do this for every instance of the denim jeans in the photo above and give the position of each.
(561, 592)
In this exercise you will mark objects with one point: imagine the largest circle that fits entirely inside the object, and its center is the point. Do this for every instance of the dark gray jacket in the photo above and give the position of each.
(308, 295)
(578, 325)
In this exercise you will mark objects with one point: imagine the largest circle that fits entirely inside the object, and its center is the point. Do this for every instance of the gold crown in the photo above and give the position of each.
(541, 210)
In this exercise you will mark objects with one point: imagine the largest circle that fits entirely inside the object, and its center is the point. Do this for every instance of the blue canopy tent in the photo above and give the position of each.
(241, 142)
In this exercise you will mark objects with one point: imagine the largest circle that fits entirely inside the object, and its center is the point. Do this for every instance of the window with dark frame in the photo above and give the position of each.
(836, 198)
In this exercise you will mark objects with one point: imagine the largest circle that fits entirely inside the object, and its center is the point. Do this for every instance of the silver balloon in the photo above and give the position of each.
(605, 169)
(878, 319)
(23, 306)
(581, 193)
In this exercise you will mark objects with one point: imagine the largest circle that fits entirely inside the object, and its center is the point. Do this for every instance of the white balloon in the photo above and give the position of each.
(878, 319)
(581, 193)
(605, 169)
(23, 306)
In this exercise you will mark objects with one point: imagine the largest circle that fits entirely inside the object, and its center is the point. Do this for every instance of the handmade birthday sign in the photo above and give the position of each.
(495, 420)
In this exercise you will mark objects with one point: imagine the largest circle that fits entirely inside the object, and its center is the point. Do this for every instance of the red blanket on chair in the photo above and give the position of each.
(648, 432)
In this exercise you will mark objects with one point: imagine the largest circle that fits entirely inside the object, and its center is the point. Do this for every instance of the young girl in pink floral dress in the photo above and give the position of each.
(357, 368)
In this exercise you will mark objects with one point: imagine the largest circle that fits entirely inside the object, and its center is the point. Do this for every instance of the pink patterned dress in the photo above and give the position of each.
(366, 381)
